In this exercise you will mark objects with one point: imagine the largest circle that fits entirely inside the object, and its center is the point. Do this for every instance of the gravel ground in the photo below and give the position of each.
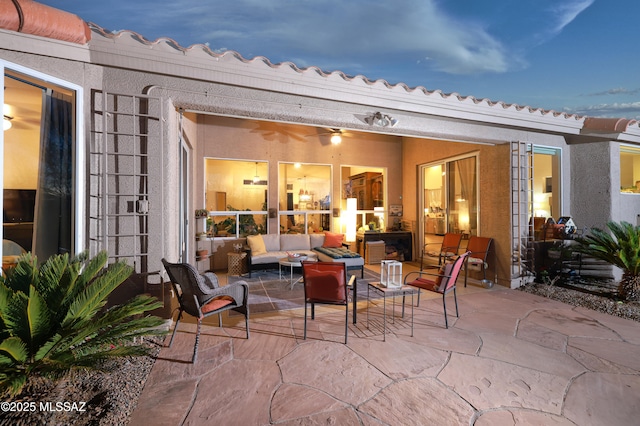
(112, 395)
(604, 303)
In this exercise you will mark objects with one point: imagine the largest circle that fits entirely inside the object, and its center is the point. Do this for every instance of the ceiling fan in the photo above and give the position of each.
(336, 135)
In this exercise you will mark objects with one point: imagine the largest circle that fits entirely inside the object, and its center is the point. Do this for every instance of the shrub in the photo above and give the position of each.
(52, 318)
(619, 247)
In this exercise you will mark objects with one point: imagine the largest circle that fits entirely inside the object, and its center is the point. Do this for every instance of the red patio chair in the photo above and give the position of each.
(326, 283)
(448, 249)
(479, 251)
(442, 283)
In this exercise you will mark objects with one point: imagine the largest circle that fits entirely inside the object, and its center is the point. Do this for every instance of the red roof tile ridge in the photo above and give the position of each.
(602, 124)
(30, 17)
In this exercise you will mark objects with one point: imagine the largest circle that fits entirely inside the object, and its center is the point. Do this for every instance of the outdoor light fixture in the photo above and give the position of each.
(382, 120)
(336, 138)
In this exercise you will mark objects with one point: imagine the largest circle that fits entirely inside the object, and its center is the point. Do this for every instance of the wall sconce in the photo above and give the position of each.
(336, 138)
(350, 220)
(382, 120)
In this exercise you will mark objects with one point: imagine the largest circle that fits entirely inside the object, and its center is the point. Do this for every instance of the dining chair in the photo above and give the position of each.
(448, 248)
(478, 249)
(326, 283)
(443, 282)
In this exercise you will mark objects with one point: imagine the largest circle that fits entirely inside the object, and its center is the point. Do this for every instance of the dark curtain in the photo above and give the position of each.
(54, 198)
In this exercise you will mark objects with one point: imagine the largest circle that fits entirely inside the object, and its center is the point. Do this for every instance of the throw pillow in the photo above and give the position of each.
(332, 240)
(256, 244)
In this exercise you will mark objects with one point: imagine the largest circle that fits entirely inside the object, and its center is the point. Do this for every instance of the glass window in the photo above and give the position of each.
(39, 157)
(367, 186)
(451, 197)
(546, 182)
(236, 193)
(304, 192)
(629, 169)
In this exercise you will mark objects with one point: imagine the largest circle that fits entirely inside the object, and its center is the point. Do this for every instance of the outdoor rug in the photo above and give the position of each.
(267, 292)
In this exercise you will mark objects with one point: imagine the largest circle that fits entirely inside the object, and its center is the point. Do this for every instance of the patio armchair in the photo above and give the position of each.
(442, 282)
(201, 296)
(326, 283)
(448, 248)
(479, 252)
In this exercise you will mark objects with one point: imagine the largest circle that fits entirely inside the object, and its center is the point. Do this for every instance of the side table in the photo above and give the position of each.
(237, 264)
(390, 291)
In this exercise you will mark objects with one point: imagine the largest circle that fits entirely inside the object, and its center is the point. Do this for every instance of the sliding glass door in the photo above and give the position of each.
(449, 198)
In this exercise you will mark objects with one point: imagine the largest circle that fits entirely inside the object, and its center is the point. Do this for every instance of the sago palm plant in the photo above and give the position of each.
(52, 318)
(619, 247)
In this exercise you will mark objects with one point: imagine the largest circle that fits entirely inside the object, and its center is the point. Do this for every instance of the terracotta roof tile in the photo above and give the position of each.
(29, 17)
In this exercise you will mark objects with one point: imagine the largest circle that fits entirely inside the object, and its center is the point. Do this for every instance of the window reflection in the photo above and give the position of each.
(304, 197)
(236, 194)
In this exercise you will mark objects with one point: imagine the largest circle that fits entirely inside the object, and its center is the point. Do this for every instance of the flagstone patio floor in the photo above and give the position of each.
(511, 358)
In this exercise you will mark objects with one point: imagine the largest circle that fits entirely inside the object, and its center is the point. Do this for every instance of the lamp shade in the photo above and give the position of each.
(350, 219)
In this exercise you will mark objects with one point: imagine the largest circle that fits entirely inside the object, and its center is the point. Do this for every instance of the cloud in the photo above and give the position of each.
(617, 110)
(333, 32)
(565, 12)
(355, 36)
(616, 91)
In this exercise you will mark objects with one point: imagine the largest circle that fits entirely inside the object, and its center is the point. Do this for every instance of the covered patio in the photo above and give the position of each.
(510, 358)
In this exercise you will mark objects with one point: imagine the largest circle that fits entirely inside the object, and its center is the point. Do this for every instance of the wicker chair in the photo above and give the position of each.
(201, 296)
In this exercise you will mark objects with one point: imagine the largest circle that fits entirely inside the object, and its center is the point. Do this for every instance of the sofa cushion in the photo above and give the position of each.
(337, 253)
(256, 244)
(271, 242)
(350, 262)
(316, 240)
(332, 240)
(289, 242)
(272, 257)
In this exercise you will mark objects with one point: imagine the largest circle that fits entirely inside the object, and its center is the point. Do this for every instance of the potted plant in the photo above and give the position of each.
(201, 213)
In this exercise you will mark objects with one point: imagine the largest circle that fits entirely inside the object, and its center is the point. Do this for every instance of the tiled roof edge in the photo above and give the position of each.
(358, 79)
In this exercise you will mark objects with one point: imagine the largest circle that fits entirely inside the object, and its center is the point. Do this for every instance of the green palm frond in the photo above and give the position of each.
(94, 296)
(13, 349)
(38, 318)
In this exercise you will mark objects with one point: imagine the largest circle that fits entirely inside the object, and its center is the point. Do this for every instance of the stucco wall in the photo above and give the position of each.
(494, 192)
(592, 181)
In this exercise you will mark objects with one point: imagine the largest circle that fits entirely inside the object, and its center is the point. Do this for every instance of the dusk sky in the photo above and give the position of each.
(578, 56)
